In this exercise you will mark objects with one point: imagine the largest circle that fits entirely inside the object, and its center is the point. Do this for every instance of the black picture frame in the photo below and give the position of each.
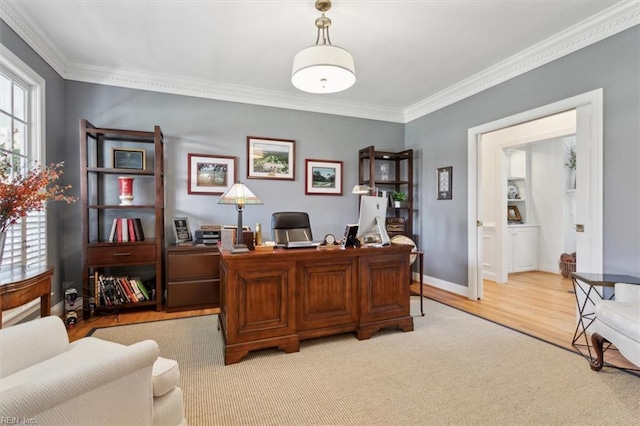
(128, 158)
(444, 183)
(181, 229)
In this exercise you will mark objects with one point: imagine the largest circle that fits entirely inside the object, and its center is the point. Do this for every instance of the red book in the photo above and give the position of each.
(132, 233)
(119, 230)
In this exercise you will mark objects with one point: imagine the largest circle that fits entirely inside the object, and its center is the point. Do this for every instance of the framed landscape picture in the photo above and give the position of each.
(210, 174)
(270, 158)
(323, 177)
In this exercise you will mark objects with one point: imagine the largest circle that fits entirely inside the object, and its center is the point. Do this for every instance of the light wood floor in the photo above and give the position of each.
(540, 304)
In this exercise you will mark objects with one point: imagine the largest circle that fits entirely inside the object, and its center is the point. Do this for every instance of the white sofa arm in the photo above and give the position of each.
(113, 389)
(627, 293)
(29, 343)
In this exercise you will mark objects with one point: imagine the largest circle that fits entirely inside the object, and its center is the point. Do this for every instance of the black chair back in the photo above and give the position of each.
(290, 226)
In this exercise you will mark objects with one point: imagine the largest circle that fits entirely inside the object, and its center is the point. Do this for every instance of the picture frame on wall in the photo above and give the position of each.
(128, 158)
(270, 158)
(323, 177)
(444, 181)
(210, 174)
(181, 229)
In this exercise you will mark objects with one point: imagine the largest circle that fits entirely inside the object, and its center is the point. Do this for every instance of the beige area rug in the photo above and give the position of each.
(454, 368)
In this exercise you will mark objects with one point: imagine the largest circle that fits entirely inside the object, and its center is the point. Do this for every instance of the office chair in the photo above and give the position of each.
(290, 226)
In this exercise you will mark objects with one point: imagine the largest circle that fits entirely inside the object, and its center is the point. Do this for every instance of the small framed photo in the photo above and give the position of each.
(444, 180)
(181, 230)
(211, 174)
(513, 214)
(323, 177)
(270, 158)
(128, 158)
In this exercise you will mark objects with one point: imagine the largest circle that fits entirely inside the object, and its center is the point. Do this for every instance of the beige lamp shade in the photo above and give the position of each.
(323, 69)
(239, 195)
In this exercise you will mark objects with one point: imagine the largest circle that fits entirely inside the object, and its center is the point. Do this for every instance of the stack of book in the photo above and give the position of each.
(118, 290)
(124, 230)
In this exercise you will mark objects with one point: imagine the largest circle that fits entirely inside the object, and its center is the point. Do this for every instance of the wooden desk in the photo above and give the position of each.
(20, 285)
(276, 299)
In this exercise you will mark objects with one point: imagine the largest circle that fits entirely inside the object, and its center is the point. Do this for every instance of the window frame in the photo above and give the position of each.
(18, 71)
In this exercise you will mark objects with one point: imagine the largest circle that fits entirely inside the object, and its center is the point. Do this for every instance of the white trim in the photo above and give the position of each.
(594, 121)
(446, 285)
(611, 21)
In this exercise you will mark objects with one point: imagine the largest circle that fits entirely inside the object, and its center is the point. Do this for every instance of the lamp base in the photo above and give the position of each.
(239, 248)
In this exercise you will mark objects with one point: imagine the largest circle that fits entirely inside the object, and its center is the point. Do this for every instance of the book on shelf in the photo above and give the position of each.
(112, 290)
(124, 229)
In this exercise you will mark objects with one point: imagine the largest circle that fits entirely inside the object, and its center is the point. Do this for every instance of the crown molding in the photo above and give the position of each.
(609, 22)
(224, 92)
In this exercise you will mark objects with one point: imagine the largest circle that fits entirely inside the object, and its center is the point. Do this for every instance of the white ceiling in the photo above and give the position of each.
(412, 57)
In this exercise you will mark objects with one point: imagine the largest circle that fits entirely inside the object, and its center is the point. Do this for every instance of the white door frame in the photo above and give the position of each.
(590, 129)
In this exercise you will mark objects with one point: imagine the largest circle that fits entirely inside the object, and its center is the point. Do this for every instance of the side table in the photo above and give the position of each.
(592, 294)
(20, 285)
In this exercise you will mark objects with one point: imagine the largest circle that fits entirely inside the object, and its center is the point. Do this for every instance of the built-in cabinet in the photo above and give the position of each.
(522, 248)
(385, 173)
(106, 155)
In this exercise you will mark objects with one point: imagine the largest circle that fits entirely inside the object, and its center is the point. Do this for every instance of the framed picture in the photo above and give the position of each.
(211, 174)
(181, 230)
(323, 177)
(444, 181)
(270, 158)
(513, 214)
(128, 158)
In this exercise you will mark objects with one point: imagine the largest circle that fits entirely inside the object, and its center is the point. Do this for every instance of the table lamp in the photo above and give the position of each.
(239, 195)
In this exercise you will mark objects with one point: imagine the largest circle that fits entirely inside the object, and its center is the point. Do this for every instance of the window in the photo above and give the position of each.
(21, 130)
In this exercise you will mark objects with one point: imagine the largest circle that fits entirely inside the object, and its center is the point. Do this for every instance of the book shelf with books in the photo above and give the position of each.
(122, 224)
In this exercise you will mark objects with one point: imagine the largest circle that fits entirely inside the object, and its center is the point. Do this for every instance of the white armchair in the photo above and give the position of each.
(618, 322)
(44, 379)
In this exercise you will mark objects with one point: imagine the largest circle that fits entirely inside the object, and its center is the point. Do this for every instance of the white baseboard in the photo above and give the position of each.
(444, 285)
(16, 315)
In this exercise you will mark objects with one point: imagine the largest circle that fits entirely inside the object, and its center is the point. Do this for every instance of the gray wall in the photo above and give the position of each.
(612, 64)
(201, 126)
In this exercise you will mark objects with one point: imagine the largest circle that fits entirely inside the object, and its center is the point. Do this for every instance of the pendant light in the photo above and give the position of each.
(323, 68)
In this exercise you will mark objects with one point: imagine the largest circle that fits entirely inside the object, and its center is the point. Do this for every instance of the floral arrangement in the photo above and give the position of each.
(571, 157)
(27, 192)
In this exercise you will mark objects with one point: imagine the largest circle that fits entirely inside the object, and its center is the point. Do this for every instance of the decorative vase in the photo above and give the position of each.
(571, 184)
(125, 184)
(384, 171)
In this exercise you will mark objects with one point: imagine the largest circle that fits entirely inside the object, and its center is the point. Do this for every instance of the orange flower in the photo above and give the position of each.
(28, 192)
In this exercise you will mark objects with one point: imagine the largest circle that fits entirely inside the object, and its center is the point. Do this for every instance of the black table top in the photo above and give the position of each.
(605, 279)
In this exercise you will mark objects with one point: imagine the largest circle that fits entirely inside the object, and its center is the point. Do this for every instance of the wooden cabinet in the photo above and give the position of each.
(142, 158)
(193, 277)
(522, 248)
(388, 172)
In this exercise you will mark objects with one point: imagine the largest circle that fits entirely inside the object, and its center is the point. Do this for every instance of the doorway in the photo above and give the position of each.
(524, 173)
(589, 197)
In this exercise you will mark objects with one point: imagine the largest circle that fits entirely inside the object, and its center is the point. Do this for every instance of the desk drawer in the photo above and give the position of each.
(122, 254)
